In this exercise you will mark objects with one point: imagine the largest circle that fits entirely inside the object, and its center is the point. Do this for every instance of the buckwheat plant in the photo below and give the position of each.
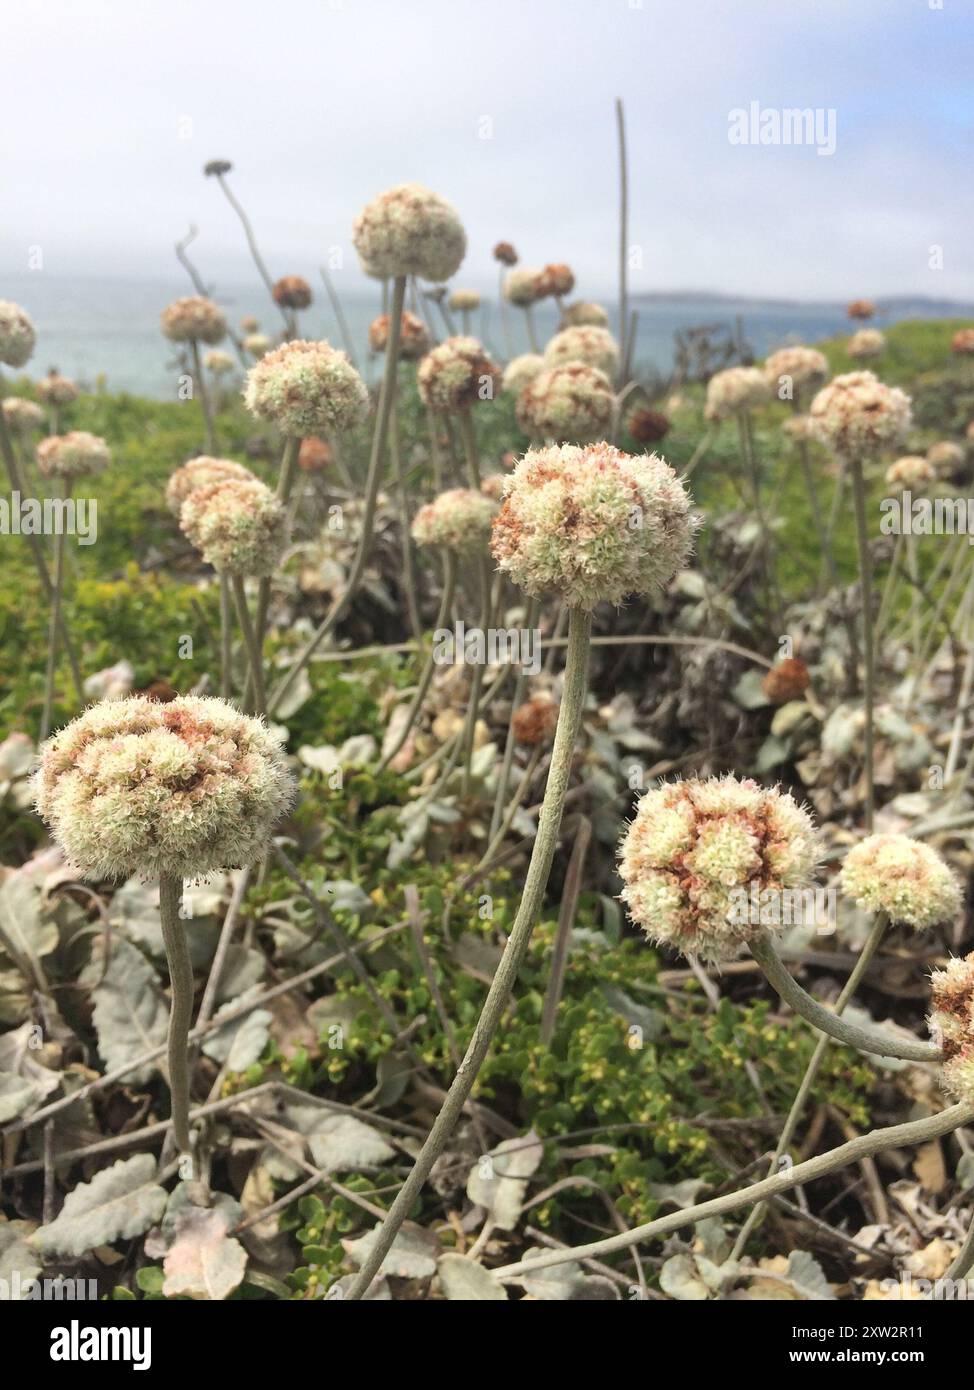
(170, 791)
(572, 404)
(559, 501)
(596, 347)
(191, 321)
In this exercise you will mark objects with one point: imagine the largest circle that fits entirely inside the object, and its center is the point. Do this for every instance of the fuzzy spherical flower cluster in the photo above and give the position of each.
(493, 486)
(22, 416)
(522, 287)
(314, 455)
(868, 342)
(945, 456)
(857, 414)
(952, 1024)
(292, 292)
(464, 299)
(520, 370)
(186, 788)
(573, 403)
(505, 253)
(803, 366)
(456, 374)
(734, 389)
(556, 280)
(414, 338)
(861, 309)
(963, 342)
(902, 877)
(305, 388)
(17, 334)
(55, 389)
(202, 471)
(409, 231)
(457, 520)
(647, 426)
(257, 344)
(194, 319)
(585, 313)
(239, 527)
(596, 347)
(218, 362)
(74, 455)
(699, 852)
(592, 523)
(911, 471)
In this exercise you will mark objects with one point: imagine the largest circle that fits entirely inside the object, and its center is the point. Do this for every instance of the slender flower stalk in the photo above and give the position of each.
(55, 622)
(426, 674)
(206, 406)
(623, 230)
(181, 1007)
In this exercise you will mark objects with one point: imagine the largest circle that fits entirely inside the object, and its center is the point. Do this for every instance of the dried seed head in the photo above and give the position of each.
(647, 426)
(788, 680)
(535, 721)
(505, 253)
(963, 342)
(557, 280)
(861, 309)
(292, 292)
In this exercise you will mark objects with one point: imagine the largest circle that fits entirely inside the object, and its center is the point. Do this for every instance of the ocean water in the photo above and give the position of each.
(107, 330)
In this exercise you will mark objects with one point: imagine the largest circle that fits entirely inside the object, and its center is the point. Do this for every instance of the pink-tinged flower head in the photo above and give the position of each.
(22, 416)
(571, 404)
(410, 231)
(456, 374)
(802, 366)
(306, 388)
(520, 370)
(292, 292)
(218, 362)
(557, 280)
(201, 472)
(596, 347)
(17, 334)
(238, 526)
(193, 319)
(963, 342)
(74, 455)
(457, 520)
(55, 389)
(952, 1025)
(868, 342)
(592, 523)
(945, 457)
(414, 338)
(735, 389)
(902, 877)
(585, 314)
(911, 471)
(699, 852)
(187, 788)
(857, 415)
(522, 287)
(257, 344)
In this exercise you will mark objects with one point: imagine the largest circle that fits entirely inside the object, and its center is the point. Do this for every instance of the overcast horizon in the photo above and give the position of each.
(507, 111)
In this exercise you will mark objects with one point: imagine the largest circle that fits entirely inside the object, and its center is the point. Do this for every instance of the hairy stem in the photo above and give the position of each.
(426, 675)
(52, 634)
(181, 1005)
(254, 654)
(869, 654)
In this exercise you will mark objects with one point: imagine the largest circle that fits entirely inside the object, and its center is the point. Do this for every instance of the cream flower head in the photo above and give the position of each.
(55, 389)
(596, 347)
(804, 366)
(734, 389)
(464, 299)
(306, 388)
(193, 319)
(952, 1024)
(585, 314)
(201, 472)
(522, 286)
(572, 403)
(945, 456)
(414, 338)
(257, 344)
(856, 414)
(22, 416)
(74, 455)
(868, 342)
(17, 334)
(218, 362)
(186, 788)
(456, 374)
(696, 850)
(410, 231)
(457, 520)
(557, 280)
(238, 526)
(592, 524)
(902, 877)
(911, 471)
(520, 370)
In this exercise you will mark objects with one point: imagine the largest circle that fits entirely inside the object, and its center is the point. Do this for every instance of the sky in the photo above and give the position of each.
(506, 108)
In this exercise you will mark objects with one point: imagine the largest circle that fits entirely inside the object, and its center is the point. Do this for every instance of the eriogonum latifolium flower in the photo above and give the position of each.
(314, 455)
(202, 471)
(911, 471)
(464, 299)
(493, 486)
(592, 524)
(856, 415)
(522, 287)
(902, 877)
(571, 403)
(647, 426)
(414, 338)
(861, 309)
(218, 362)
(458, 520)
(257, 344)
(963, 342)
(292, 292)
(557, 280)
(952, 1024)
(193, 319)
(55, 389)
(945, 456)
(239, 527)
(456, 374)
(734, 389)
(520, 370)
(74, 455)
(803, 366)
(186, 788)
(868, 342)
(22, 416)
(409, 231)
(694, 851)
(596, 347)
(585, 314)
(305, 388)
(17, 334)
